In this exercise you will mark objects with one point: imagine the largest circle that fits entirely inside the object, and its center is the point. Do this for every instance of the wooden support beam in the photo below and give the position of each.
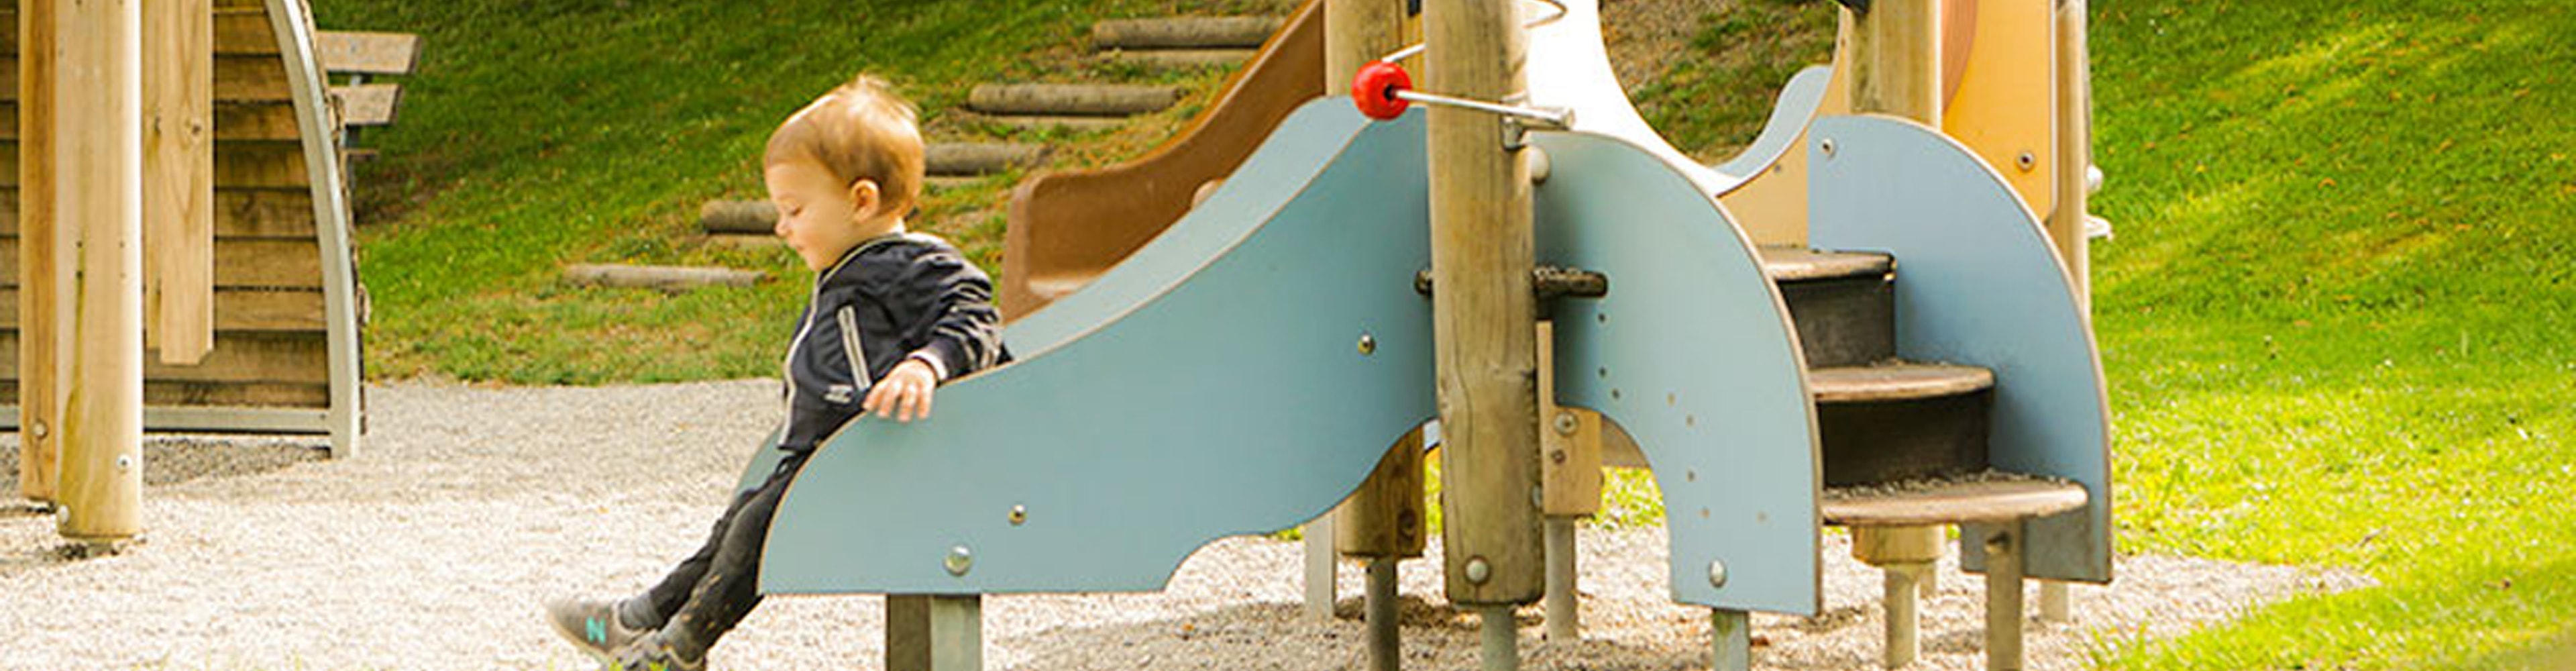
(99, 126)
(1896, 60)
(1384, 520)
(2074, 148)
(179, 179)
(1482, 250)
(40, 403)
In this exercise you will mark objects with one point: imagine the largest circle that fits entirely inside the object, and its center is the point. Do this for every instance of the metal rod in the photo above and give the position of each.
(1502, 640)
(2054, 603)
(1900, 601)
(2003, 598)
(1417, 48)
(1549, 117)
(1319, 568)
(1385, 641)
(1730, 635)
(1564, 622)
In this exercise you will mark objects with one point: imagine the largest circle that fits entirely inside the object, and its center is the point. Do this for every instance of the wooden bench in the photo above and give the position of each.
(355, 57)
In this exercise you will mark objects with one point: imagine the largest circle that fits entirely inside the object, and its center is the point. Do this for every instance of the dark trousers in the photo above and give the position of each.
(712, 590)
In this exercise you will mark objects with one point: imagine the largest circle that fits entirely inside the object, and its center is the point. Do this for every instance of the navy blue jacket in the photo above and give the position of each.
(891, 298)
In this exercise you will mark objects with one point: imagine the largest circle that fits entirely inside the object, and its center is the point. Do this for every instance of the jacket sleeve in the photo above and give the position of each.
(966, 332)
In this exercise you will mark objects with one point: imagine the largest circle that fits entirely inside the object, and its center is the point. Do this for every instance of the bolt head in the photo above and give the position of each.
(1478, 571)
(42, 430)
(1565, 423)
(2026, 161)
(1019, 515)
(1717, 573)
(1828, 145)
(124, 462)
(1368, 344)
(959, 561)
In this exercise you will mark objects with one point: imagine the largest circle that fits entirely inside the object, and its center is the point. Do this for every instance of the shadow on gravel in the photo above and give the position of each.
(1277, 635)
(171, 459)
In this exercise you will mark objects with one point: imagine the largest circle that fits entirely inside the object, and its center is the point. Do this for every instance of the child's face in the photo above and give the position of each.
(820, 217)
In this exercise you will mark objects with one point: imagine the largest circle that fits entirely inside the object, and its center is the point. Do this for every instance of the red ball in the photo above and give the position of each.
(1373, 91)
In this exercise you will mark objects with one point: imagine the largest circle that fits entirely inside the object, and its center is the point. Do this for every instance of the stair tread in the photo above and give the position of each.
(1896, 382)
(1795, 264)
(1987, 497)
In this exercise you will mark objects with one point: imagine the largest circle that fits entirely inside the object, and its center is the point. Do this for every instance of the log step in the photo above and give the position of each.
(1184, 32)
(1077, 124)
(665, 278)
(980, 158)
(1181, 59)
(1071, 100)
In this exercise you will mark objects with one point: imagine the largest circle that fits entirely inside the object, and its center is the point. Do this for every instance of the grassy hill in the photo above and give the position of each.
(2335, 320)
(542, 134)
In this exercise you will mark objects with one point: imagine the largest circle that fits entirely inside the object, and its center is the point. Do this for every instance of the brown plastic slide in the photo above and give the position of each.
(1067, 227)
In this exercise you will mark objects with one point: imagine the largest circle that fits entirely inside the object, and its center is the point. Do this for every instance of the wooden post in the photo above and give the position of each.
(1483, 312)
(934, 633)
(2074, 147)
(1896, 60)
(1482, 317)
(179, 180)
(1384, 520)
(39, 397)
(100, 127)
(1570, 479)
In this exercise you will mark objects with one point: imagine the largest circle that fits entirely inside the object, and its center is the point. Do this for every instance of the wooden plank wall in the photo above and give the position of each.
(270, 337)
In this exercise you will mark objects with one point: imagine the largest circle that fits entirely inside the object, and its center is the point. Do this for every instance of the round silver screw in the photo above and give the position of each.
(1828, 145)
(1019, 515)
(1539, 165)
(43, 430)
(1478, 571)
(1368, 344)
(1717, 573)
(959, 560)
(1565, 423)
(2026, 161)
(124, 462)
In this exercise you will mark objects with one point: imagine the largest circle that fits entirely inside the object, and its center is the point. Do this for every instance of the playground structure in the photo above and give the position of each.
(177, 184)
(1592, 297)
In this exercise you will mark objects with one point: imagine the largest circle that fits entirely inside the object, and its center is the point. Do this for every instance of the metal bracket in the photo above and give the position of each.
(1546, 282)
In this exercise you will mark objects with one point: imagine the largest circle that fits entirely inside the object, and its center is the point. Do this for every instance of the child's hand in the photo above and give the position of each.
(904, 394)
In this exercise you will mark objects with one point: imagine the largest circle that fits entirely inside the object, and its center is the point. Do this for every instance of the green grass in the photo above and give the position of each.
(2336, 318)
(543, 134)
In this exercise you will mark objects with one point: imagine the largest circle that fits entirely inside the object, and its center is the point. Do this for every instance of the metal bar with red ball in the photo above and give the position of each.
(1383, 90)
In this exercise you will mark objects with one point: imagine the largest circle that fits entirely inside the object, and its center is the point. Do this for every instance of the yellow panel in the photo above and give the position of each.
(1772, 207)
(2004, 107)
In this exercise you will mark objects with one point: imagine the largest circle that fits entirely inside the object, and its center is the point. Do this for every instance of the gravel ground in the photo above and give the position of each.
(432, 548)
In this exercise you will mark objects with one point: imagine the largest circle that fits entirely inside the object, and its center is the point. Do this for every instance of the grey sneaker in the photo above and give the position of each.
(592, 626)
(654, 653)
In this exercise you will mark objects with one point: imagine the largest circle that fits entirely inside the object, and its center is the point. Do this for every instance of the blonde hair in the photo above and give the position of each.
(860, 130)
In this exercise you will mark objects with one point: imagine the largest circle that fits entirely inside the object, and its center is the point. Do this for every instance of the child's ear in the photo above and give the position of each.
(865, 198)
